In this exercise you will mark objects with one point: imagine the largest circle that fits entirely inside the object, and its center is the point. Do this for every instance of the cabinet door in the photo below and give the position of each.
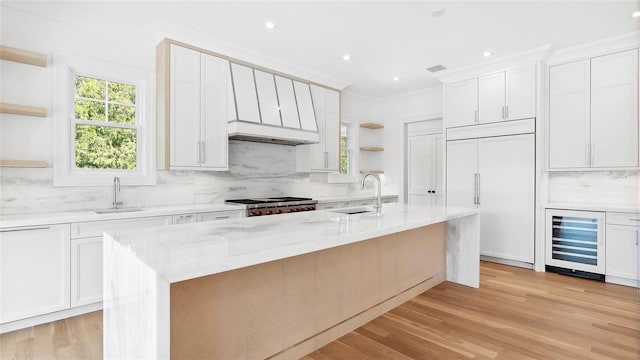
(521, 92)
(244, 88)
(287, 100)
(214, 113)
(622, 251)
(462, 167)
(569, 115)
(438, 157)
(419, 177)
(185, 107)
(315, 153)
(86, 271)
(305, 106)
(268, 98)
(34, 271)
(614, 110)
(506, 197)
(491, 98)
(461, 103)
(331, 134)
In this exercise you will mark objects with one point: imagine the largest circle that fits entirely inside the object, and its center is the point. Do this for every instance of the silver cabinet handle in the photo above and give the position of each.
(326, 159)
(184, 216)
(221, 217)
(478, 187)
(506, 112)
(588, 154)
(634, 219)
(637, 236)
(475, 116)
(593, 157)
(503, 113)
(202, 157)
(198, 153)
(475, 189)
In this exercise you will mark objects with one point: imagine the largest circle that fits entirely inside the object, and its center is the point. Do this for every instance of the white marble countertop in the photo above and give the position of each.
(592, 207)
(187, 251)
(48, 218)
(330, 199)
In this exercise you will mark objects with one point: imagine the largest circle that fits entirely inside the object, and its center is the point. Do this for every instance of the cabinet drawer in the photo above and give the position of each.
(96, 228)
(219, 215)
(629, 219)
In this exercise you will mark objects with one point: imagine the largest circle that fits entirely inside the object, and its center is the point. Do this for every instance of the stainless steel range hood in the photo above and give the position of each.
(270, 108)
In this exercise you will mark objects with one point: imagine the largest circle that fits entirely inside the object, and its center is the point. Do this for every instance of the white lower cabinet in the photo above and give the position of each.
(496, 175)
(34, 271)
(86, 271)
(623, 234)
(219, 215)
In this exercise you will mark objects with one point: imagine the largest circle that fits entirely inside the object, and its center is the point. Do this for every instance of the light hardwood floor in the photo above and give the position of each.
(516, 314)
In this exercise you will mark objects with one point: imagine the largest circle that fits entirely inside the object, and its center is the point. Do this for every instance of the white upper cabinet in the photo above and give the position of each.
(614, 110)
(268, 98)
(593, 113)
(198, 111)
(569, 115)
(461, 107)
(185, 107)
(491, 97)
(520, 93)
(244, 89)
(494, 97)
(287, 99)
(305, 106)
(324, 156)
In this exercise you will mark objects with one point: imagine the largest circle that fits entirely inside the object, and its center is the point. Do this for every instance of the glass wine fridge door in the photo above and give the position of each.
(575, 240)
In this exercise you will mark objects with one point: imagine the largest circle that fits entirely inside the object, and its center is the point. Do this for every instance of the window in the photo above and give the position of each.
(104, 122)
(345, 151)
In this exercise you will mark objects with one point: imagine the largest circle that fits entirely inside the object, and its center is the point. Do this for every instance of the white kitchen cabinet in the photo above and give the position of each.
(490, 98)
(183, 219)
(198, 111)
(86, 271)
(219, 215)
(287, 100)
(461, 104)
(324, 156)
(614, 110)
(623, 235)
(244, 91)
(34, 271)
(593, 113)
(424, 172)
(496, 175)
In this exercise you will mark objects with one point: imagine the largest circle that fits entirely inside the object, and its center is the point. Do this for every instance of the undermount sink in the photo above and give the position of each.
(120, 210)
(352, 211)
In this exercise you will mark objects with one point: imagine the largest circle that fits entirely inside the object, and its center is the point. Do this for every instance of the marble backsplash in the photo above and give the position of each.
(255, 170)
(615, 188)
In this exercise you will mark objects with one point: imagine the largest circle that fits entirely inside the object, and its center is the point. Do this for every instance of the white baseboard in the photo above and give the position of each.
(46, 318)
(507, 262)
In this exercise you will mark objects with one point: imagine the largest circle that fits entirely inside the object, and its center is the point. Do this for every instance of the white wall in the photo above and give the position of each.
(394, 113)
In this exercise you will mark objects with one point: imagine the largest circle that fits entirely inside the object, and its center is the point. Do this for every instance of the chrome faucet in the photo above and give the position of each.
(378, 205)
(116, 192)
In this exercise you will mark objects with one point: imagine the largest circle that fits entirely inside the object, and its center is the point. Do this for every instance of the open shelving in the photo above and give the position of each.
(16, 109)
(371, 148)
(372, 162)
(371, 126)
(23, 56)
(23, 163)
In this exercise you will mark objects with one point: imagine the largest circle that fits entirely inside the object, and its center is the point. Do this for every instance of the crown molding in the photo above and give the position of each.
(522, 58)
(595, 48)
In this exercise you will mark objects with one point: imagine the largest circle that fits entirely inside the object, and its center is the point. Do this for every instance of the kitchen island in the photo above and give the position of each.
(278, 286)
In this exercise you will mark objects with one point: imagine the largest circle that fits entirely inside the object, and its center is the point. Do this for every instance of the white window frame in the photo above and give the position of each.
(352, 176)
(66, 66)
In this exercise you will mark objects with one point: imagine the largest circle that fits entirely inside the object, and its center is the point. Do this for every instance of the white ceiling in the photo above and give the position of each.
(384, 38)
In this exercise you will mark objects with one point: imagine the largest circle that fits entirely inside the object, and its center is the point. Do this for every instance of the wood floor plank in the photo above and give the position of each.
(515, 314)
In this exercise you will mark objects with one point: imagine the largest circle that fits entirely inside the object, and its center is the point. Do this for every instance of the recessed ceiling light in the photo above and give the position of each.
(269, 25)
(437, 12)
(486, 53)
(635, 14)
(395, 78)
(346, 57)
